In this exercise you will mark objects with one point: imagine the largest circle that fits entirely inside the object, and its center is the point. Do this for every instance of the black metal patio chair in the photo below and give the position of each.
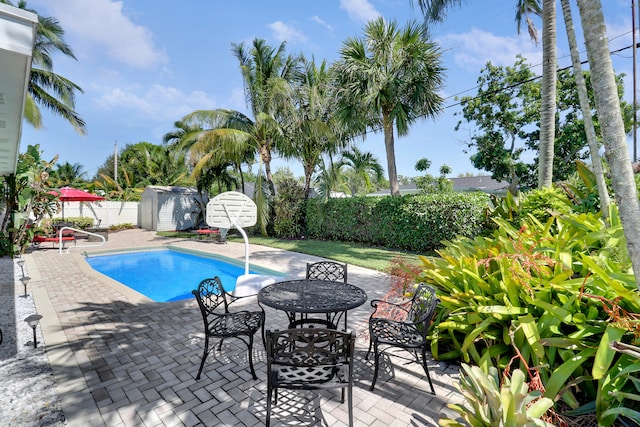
(327, 270)
(310, 359)
(220, 322)
(409, 333)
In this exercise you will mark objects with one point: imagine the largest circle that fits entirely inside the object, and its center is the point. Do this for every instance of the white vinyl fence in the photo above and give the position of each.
(105, 213)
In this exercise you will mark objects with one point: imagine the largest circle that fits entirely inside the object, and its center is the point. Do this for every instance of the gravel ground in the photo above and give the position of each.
(28, 395)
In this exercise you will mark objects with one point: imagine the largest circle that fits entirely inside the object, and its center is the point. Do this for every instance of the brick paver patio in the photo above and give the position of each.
(120, 359)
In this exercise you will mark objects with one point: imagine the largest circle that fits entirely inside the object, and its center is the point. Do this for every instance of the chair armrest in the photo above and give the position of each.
(392, 310)
(401, 305)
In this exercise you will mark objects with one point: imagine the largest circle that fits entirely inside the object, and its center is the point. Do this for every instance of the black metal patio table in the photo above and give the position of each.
(298, 298)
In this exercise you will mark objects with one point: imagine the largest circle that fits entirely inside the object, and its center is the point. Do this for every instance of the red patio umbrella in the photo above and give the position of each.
(68, 194)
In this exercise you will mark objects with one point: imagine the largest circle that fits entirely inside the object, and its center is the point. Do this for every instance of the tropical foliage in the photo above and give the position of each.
(495, 401)
(46, 88)
(311, 128)
(67, 174)
(547, 296)
(139, 165)
(504, 118)
(360, 172)
(25, 194)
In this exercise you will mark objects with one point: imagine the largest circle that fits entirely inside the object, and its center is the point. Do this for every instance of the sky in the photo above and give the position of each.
(144, 64)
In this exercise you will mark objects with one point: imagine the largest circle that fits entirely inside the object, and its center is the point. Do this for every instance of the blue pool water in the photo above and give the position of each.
(167, 275)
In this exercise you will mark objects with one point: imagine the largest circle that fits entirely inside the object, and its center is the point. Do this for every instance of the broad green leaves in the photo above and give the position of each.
(551, 297)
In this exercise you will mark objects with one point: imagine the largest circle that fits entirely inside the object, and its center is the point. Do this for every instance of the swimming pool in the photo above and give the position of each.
(168, 275)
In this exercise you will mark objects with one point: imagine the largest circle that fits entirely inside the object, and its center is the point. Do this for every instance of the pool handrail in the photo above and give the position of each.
(104, 241)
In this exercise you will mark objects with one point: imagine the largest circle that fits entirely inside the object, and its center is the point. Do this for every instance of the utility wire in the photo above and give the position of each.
(586, 61)
(455, 104)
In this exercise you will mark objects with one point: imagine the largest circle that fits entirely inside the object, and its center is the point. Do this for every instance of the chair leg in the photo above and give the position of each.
(253, 372)
(269, 397)
(264, 335)
(204, 355)
(377, 362)
(426, 369)
(350, 403)
(371, 339)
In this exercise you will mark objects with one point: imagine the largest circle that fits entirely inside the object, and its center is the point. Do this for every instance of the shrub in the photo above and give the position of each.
(418, 223)
(554, 299)
(81, 223)
(542, 203)
(119, 227)
(289, 209)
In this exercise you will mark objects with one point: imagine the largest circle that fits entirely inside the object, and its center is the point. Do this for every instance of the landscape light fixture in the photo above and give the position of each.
(25, 281)
(21, 264)
(33, 321)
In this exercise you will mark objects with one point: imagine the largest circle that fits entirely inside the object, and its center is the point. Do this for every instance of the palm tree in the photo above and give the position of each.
(328, 178)
(267, 74)
(524, 10)
(389, 77)
(548, 94)
(590, 132)
(605, 92)
(435, 10)
(182, 137)
(225, 137)
(46, 88)
(310, 126)
(364, 166)
(229, 136)
(67, 174)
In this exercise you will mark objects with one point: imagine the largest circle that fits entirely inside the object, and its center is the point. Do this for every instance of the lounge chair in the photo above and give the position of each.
(67, 236)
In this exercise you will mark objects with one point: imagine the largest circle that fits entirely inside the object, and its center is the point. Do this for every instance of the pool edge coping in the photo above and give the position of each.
(138, 297)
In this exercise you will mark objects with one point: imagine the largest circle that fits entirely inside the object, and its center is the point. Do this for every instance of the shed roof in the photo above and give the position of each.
(171, 189)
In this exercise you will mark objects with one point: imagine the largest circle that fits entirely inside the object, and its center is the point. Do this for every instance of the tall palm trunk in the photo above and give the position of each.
(389, 145)
(548, 102)
(605, 91)
(586, 111)
(265, 154)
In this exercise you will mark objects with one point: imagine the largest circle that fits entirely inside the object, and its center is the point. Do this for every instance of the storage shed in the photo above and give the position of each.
(169, 208)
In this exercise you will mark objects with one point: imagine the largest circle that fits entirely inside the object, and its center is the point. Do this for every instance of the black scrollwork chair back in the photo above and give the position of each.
(327, 270)
(310, 359)
(410, 333)
(220, 322)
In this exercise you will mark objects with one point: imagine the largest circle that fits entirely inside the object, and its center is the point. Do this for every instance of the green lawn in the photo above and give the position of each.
(363, 256)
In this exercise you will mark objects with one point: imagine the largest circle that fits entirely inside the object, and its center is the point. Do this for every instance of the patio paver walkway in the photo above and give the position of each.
(120, 359)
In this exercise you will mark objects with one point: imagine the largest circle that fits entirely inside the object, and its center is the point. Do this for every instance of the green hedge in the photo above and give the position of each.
(81, 223)
(417, 222)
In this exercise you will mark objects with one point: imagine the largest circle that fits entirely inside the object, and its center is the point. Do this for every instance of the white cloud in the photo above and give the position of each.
(103, 25)
(159, 103)
(359, 10)
(473, 49)
(320, 21)
(284, 32)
